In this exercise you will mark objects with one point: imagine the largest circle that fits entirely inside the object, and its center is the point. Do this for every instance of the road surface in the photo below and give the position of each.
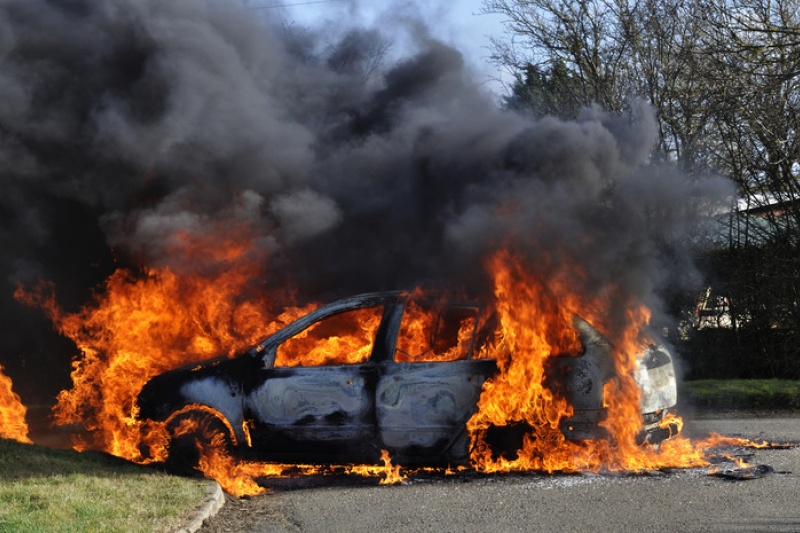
(675, 501)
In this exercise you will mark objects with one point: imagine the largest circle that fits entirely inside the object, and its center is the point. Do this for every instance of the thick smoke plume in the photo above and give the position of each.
(126, 122)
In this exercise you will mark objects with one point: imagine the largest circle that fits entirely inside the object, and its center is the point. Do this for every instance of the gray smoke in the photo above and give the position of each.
(123, 122)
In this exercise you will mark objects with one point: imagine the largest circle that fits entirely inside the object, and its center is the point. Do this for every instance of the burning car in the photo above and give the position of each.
(393, 371)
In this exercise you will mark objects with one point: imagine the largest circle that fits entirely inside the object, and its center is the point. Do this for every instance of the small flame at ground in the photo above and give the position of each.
(12, 412)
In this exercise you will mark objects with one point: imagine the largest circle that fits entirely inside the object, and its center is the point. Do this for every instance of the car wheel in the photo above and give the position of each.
(193, 432)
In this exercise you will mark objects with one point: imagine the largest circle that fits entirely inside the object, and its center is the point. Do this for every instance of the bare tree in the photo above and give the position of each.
(584, 36)
(670, 70)
(756, 44)
(724, 78)
(359, 52)
(607, 52)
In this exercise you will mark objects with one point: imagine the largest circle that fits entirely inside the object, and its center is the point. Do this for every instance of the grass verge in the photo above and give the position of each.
(768, 394)
(63, 491)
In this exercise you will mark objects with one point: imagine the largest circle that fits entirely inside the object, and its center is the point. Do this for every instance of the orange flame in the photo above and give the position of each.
(241, 477)
(317, 345)
(145, 323)
(392, 475)
(535, 325)
(236, 477)
(531, 329)
(12, 412)
(416, 331)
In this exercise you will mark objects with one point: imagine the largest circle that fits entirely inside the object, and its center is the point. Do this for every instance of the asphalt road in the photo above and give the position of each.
(675, 501)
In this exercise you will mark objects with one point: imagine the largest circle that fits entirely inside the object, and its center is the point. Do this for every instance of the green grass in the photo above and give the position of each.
(772, 394)
(45, 490)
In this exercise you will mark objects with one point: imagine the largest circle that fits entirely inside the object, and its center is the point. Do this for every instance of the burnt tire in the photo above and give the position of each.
(193, 433)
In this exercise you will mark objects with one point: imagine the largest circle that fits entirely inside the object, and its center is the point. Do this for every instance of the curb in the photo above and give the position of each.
(210, 506)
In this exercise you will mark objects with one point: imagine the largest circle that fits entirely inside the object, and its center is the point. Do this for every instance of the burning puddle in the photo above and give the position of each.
(724, 461)
(719, 462)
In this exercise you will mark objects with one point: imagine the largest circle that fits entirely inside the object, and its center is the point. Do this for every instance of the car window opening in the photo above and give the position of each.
(430, 334)
(343, 338)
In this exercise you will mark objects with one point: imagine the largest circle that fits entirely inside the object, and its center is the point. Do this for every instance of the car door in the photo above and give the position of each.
(317, 400)
(430, 387)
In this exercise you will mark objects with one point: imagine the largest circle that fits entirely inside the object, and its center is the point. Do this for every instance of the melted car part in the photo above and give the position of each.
(656, 379)
(580, 380)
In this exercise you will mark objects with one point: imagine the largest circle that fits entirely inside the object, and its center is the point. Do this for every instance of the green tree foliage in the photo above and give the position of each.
(549, 91)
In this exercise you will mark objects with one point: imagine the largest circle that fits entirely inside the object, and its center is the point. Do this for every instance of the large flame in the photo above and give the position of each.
(144, 323)
(535, 324)
(12, 412)
(351, 343)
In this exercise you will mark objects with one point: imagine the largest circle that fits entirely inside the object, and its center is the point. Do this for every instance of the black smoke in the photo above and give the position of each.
(123, 122)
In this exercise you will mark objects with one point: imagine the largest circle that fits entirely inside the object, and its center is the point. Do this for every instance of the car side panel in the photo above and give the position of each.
(312, 410)
(421, 408)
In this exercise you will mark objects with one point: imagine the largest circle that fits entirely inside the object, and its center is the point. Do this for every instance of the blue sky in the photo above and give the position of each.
(455, 22)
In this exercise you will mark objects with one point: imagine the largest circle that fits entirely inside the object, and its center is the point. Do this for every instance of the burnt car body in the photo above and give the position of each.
(414, 405)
